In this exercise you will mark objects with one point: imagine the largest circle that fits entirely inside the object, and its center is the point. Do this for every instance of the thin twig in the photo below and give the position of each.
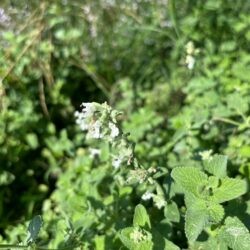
(42, 99)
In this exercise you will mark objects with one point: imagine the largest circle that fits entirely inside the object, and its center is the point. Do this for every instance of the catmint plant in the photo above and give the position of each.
(99, 121)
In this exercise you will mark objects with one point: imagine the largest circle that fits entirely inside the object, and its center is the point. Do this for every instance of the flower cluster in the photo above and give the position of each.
(190, 55)
(147, 196)
(99, 121)
(94, 118)
(138, 235)
(206, 155)
(158, 200)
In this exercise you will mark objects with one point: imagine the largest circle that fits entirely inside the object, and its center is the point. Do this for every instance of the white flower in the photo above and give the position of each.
(116, 163)
(206, 155)
(78, 116)
(94, 152)
(86, 9)
(137, 235)
(88, 109)
(190, 61)
(80, 120)
(147, 196)
(114, 130)
(94, 130)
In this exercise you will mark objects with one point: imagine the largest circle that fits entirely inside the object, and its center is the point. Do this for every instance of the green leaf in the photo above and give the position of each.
(190, 179)
(160, 242)
(228, 189)
(124, 236)
(32, 140)
(196, 219)
(169, 245)
(141, 217)
(216, 213)
(171, 212)
(212, 243)
(217, 165)
(100, 242)
(236, 101)
(34, 228)
(6, 178)
(235, 234)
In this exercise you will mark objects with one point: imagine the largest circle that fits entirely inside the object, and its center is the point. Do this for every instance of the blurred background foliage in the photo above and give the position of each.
(179, 71)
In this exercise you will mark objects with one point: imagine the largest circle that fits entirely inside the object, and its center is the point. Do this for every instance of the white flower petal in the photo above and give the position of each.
(114, 130)
(116, 163)
(94, 130)
(94, 152)
(88, 109)
(147, 196)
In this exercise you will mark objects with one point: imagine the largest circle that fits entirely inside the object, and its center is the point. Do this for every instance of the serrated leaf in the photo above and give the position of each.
(34, 228)
(169, 245)
(235, 234)
(196, 219)
(212, 243)
(236, 101)
(216, 213)
(229, 189)
(217, 165)
(213, 182)
(141, 217)
(189, 178)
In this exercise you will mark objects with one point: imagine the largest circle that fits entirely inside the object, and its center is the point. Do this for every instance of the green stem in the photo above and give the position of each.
(172, 13)
(7, 246)
(226, 121)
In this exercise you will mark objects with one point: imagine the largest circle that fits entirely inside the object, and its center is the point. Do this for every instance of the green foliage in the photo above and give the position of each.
(203, 194)
(34, 228)
(141, 217)
(177, 72)
(141, 235)
(217, 165)
(235, 234)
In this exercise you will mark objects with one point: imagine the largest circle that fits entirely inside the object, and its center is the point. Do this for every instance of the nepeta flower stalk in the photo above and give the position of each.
(100, 122)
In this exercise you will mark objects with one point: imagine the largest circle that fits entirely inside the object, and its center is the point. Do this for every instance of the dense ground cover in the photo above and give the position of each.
(161, 157)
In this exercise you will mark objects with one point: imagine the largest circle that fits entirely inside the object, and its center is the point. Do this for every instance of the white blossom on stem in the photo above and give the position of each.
(88, 109)
(94, 130)
(114, 130)
(190, 61)
(147, 196)
(94, 152)
(116, 163)
(80, 120)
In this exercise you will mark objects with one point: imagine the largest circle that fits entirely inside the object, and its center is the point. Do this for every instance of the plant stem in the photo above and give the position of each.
(226, 121)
